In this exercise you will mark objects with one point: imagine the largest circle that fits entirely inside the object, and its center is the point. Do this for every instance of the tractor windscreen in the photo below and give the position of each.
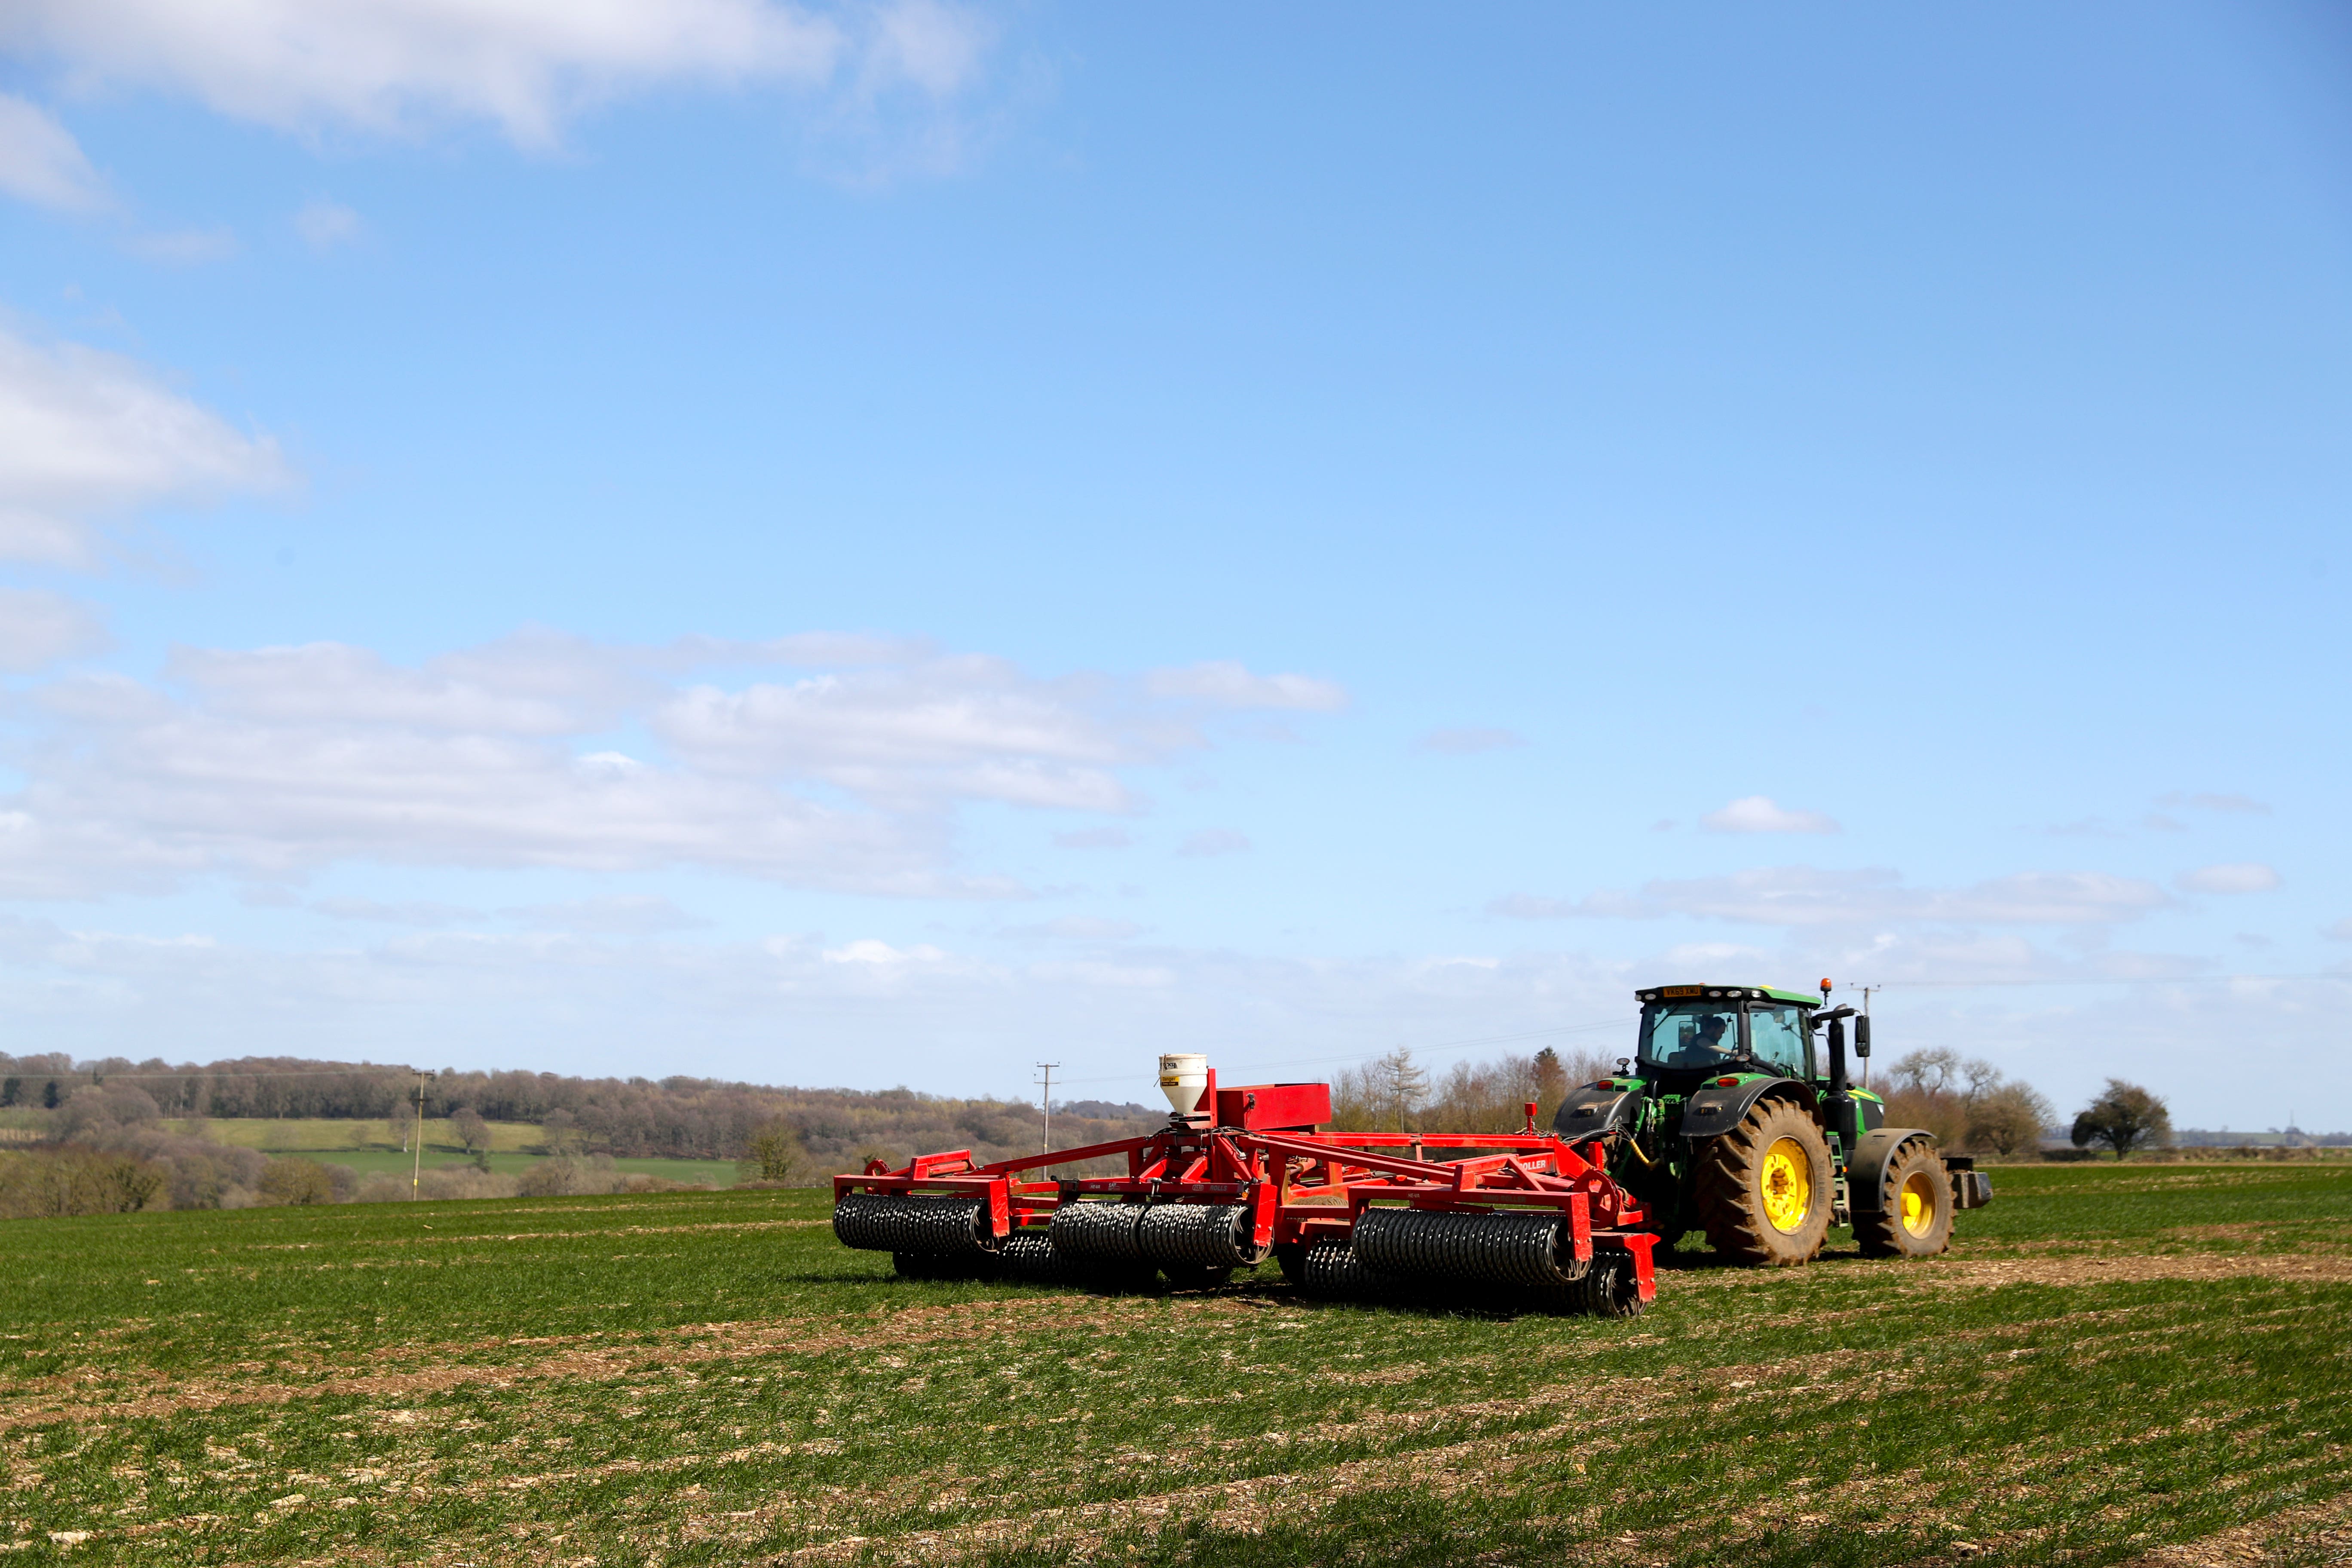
(1689, 1033)
(1703, 1034)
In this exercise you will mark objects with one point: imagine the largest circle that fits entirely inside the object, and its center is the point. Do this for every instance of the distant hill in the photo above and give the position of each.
(672, 1118)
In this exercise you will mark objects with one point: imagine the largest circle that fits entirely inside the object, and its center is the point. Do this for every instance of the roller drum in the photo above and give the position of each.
(1098, 1233)
(1197, 1236)
(1030, 1256)
(1332, 1268)
(1494, 1248)
(896, 1222)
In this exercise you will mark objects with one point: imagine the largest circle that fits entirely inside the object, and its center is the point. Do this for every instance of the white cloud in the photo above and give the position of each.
(1798, 895)
(1227, 683)
(407, 67)
(611, 914)
(936, 47)
(965, 726)
(1467, 742)
(871, 951)
(2243, 877)
(2206, 800)
(2341, 931)
(396, 65)
(1757, 813)
(271, 763)
(185, 246)
(42, 163)
(1212, 841)
(407, 912)
(326, 224)
(39, 629)
(86, 435)
(1079, 928)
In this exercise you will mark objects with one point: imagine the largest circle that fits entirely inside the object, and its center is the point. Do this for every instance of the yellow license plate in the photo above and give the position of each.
(1684, 989)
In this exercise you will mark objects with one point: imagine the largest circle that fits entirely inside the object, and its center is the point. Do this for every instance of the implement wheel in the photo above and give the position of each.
(1763, 1187)
(1915, 1206)
(1610, 1289)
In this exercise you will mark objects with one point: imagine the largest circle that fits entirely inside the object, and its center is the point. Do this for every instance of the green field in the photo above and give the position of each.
(2113, 1361)
(369, 1147)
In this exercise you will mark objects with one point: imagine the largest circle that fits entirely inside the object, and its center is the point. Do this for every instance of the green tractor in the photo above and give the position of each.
(1728, 1120)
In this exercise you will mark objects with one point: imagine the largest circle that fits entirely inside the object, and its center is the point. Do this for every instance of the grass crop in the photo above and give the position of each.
(310, 1134)
(2113, 1359)
(370, 1147)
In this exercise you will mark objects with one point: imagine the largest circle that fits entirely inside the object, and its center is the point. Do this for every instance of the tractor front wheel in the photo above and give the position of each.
(1763, 1189)
(1915, 1206)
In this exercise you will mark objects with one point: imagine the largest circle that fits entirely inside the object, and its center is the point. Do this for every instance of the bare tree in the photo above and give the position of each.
(771, 1154)
(471, 1129)
(2008, 1118)
(560, 1132)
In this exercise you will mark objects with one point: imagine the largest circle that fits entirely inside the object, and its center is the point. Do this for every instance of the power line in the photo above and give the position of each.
(1616, 1023)
(2103, 980)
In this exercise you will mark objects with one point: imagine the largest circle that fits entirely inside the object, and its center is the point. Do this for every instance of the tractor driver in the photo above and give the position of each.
(1702, 1043)
(1710, 1035)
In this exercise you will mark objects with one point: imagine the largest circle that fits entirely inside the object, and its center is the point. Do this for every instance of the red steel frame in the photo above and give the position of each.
(1301, 1186)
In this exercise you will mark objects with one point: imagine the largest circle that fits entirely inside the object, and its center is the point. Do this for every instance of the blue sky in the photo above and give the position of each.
(884, 544)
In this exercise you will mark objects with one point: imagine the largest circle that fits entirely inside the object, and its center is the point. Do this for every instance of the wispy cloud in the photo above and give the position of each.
(1799, 896)
(185, 247)
(2242, 877)
(41, 162)
(1228, 683)
(896, 77)
(37, 629)
(323, 225)
(271, 763)
(86, 436)
(613, 914)
(1467, 742)
(2206, 800)
(1212, 841)
(1757, 813)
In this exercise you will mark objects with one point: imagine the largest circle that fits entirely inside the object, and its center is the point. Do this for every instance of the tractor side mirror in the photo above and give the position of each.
(1862, 1036)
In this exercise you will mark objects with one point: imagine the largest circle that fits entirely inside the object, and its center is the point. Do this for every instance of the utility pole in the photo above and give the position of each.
(1866, 990)
(416, 1174)
(1046, 1101)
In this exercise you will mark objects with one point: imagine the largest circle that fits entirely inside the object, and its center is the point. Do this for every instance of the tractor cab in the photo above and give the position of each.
(1693, 1032)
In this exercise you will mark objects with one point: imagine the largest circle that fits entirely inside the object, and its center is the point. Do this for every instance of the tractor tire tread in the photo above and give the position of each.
(1881, 1234)
(1728, 1172)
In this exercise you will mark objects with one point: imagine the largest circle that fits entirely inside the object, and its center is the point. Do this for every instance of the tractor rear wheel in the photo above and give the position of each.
(1763, 1189)
(1915, 1206)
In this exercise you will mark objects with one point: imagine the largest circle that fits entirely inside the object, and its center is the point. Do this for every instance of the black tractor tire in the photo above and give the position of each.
(1763, 1191)
(1914, 1218)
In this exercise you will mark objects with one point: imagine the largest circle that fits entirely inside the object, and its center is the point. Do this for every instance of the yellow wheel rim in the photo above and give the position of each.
(1788, 1184)
(1919, 1203)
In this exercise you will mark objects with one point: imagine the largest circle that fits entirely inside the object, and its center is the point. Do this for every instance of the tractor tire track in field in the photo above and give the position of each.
(2319, 1532)
(585, 1359)
(597, 1358)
